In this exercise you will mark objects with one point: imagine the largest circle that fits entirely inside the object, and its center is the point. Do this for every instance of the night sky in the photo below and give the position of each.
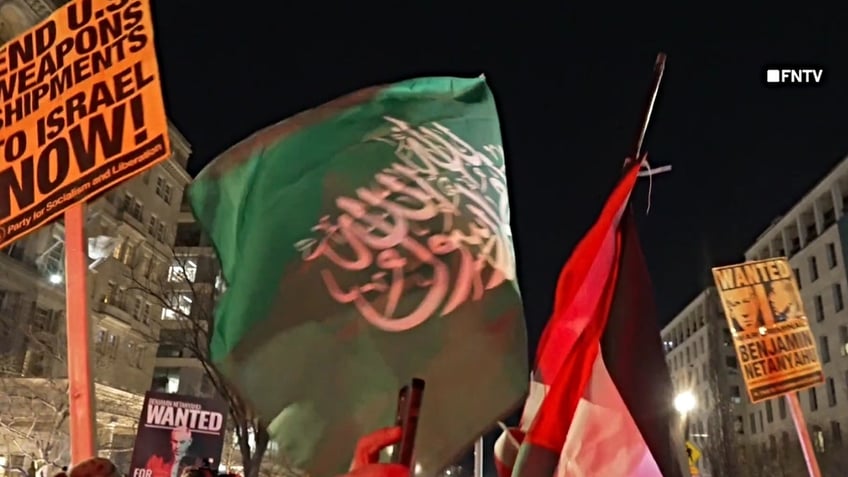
(571, 86)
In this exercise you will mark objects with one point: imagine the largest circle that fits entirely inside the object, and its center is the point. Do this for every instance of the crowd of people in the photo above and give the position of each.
(102, 467)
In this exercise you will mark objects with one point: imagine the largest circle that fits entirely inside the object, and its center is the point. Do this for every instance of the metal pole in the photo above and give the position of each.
(803, 434)
(659, 69)
(478, 458)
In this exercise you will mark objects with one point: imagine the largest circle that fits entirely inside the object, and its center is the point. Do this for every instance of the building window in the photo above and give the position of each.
(145, 313)
(166, 380)
(836, 432)
(151, 224)
(781, 407)
(119, 248)
(44, 320)
(819, 307)
(137, 307)
(182, 270)
(133, 355)
(101, 336)
(831, 392)
(129, 253)
(731, 363)
(54, 258)
(154, 270)
(831, 255)
(846, 381)
(769, 412)
(51, 263)
(180, 307)
(735, 394)
(163, 189)
(824, 349)
(843, 339)
(814, 269)
(814, 399)
(160, 232)
(798, 277)
(818, 438)
(113, 294)
(14, 250)
(838, 302)
(113, 341)
(134, 207)
(753, 422)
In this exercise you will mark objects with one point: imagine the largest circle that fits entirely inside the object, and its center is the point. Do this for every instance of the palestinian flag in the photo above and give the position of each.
(364, 243)
(600, 402)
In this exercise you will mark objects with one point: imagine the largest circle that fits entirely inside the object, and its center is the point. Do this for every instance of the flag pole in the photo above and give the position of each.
(478, 457)
(803, 434)
(659, 69)
(80, 379)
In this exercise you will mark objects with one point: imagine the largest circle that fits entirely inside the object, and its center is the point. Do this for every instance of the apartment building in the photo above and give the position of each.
(194, 282)
(139, 219)
(701, 360)
(138, 222)
(812, 234)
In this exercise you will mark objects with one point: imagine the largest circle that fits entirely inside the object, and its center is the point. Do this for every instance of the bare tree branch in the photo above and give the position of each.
(34, 407)
(187, 296)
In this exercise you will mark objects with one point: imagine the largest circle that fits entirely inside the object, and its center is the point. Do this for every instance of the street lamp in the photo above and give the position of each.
(685, 402)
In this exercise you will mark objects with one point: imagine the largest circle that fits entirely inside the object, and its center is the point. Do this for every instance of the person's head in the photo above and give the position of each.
(180, 440)
(782, 298)
(743, 306)
(94, 467)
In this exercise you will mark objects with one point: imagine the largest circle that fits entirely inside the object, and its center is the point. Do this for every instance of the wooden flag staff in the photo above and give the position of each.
(80, 379)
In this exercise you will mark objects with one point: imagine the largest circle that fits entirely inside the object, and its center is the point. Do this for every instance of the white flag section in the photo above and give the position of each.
(537, 394)
(603, 439)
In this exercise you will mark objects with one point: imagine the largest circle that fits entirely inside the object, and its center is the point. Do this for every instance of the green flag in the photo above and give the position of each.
(366, 242)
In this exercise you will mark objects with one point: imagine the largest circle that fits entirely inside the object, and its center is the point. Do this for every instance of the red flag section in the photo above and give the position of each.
(600, 400)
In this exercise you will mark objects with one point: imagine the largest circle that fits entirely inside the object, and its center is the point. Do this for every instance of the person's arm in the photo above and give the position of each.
(366, 458)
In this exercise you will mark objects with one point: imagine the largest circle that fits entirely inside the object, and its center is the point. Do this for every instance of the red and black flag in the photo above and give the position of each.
(600, 401)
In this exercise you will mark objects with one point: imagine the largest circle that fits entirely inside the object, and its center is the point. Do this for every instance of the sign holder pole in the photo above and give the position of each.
(803, 434)
(659, 69)
(478, 457)
(80, 376)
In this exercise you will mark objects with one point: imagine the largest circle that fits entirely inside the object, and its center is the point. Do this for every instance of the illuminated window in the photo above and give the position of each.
(180, 307)
(182, 270)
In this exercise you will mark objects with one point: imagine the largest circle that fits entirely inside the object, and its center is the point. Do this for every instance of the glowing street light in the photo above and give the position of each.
(55, 278)
(685, 402)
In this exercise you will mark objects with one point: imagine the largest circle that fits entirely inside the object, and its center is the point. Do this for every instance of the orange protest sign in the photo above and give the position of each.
(775, 347)
(81, 110)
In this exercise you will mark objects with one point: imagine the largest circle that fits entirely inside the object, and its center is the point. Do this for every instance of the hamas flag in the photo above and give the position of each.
(366, 242)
